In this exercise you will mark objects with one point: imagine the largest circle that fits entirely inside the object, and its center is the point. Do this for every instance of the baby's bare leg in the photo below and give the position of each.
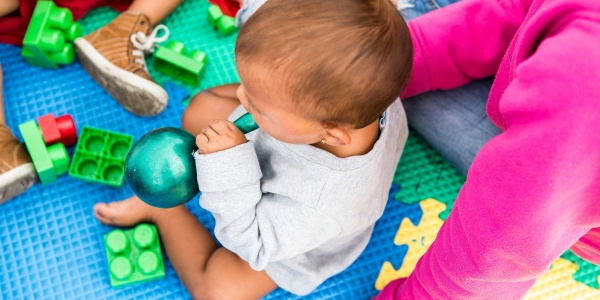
(215, 103)
(207, 271)
(155, 10)
(8, 6)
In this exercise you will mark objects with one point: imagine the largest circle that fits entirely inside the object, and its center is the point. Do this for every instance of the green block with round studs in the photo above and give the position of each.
(226, 25)
(174, 61)
(49, 38)
(100, 156)
(134, 255)
(214, 14)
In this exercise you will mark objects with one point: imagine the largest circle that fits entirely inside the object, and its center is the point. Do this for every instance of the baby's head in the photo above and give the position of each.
(315, 69)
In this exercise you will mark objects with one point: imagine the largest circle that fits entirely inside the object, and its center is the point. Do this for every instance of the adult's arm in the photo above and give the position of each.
(461, 42)
(533, 190)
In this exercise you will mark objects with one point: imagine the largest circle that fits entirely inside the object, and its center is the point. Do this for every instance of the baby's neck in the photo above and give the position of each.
(362, 141)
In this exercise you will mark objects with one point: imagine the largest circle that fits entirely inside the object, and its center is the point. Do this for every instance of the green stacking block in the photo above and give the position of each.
(100, 156)
(38, 152)
(214, 14)
(173, 61)
(226, 25)
(49, 38)
(134, 255)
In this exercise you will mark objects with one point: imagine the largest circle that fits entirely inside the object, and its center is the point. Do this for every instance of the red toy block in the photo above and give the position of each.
(228, 7)
(49, 129)
(68, 131)
(61, 129)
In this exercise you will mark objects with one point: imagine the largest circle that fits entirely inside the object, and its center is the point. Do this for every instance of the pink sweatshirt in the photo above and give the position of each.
(534, 190)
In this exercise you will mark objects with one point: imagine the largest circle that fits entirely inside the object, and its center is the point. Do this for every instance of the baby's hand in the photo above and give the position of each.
(218, 136)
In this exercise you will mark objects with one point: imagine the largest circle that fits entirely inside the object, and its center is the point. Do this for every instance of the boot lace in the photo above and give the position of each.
(146, 44)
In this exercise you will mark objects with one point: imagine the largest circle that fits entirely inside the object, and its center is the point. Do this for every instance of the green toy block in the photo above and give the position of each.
(173, 61)
(134, 255)
(49, 38)
(214, 14)
(226, 25)
(49, 162)
(100, 156)
(216, 18)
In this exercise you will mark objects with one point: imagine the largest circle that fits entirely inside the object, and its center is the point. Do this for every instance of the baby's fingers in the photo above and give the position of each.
(220, 126)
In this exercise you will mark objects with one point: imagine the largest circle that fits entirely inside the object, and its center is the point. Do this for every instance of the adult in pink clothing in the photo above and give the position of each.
(532, 191)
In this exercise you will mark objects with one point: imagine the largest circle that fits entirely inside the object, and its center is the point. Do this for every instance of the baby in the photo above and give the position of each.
(295, 202)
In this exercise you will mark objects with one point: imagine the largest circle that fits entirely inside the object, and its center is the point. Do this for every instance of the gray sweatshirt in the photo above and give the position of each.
(296, 211)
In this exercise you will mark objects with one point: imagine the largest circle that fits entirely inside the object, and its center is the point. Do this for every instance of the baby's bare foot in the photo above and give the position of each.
(126, 212)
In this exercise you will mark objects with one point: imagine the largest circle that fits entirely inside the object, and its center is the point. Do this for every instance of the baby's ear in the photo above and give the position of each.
(337, 136)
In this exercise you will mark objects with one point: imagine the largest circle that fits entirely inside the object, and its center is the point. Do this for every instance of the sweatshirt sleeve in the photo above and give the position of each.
(260, 228)
(461, 42)
(533, 190)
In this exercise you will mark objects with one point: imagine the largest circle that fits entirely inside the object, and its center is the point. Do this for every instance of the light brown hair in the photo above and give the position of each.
(341, 62)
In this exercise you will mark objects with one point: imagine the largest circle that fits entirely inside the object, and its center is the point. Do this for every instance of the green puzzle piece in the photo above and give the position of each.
(587, 272)
(173, 61)
(422, 173)
(49, 38)
(100, 156)
(134, 255)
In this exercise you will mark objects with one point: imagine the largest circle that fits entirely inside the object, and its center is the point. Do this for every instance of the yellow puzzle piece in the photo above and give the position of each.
(418, 238)
(558, 283)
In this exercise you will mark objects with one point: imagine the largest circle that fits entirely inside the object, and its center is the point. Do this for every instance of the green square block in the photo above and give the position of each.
(100, 156)
(49, 38)
(134, 255)
(37, 150)
(173, 61)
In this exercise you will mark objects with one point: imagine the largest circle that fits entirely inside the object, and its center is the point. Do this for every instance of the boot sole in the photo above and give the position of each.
(137, 95)
(17, 181)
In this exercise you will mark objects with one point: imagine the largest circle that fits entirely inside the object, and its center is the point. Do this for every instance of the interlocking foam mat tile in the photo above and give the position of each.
(51, 246)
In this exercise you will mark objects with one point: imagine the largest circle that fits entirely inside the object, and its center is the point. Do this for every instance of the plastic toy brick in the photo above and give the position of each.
(61, 129)
(134, 255)
(229, 8)
(49, 38)
(214, 14)
(49, 162)
(225, 24)
(173, 61)
(100, 156)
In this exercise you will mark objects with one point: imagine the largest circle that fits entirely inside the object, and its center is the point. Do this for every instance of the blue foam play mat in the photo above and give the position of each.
(51, 246)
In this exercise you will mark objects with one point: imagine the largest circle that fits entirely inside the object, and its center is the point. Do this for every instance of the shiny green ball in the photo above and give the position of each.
(160, 168)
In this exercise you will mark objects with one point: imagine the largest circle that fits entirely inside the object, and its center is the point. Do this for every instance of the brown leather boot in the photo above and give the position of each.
(17, 173)
(114, 56)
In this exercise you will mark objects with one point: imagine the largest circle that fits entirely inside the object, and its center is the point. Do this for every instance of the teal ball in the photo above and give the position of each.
(160, 168)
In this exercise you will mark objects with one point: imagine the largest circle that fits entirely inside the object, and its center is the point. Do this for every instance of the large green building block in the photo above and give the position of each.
(100, 156)
(49, 162)
(49, 38)
(173, 61)
(134, 255)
